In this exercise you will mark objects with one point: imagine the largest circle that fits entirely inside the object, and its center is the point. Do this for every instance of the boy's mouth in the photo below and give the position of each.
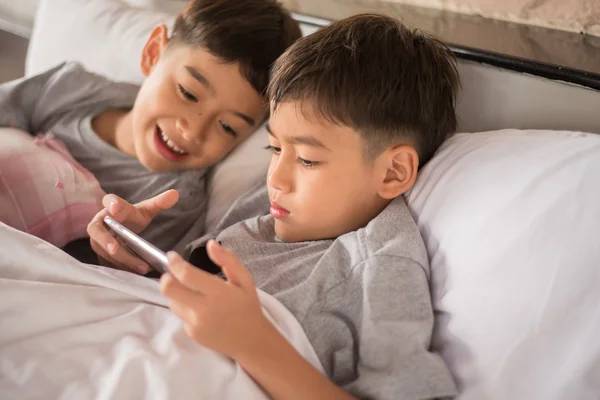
(279, 212)
(166, 147)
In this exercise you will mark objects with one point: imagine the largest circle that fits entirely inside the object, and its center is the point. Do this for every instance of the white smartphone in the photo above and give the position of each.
(156, 258)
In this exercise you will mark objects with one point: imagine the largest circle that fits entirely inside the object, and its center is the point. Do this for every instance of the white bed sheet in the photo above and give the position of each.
(76, 331)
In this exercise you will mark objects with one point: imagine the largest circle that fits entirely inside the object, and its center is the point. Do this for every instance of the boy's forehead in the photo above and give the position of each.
(199, 61)
(295, 117)
(299, 115)
(217, 78)
(295, 122)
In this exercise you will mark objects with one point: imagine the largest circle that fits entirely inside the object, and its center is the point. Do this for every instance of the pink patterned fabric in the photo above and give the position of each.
(43, 190)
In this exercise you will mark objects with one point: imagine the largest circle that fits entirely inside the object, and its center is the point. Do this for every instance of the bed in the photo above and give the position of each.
(509, 209)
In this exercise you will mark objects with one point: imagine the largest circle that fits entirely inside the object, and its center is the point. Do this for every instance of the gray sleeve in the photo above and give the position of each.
(376, 328)
(19, 100)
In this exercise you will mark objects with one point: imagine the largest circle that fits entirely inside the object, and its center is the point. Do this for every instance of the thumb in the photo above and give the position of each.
(232, 267)
(149, 208)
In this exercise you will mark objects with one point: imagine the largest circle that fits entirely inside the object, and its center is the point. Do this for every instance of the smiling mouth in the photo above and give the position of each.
(169, 143)
(166, 147)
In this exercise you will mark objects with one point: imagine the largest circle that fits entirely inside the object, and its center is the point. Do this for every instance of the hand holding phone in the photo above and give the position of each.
(156, 258)
(136, 217)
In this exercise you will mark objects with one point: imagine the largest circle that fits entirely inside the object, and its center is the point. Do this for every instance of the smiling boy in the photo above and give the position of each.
(202, 96)
(356, 109)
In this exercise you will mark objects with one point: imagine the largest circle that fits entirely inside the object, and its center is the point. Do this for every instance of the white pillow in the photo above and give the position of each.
(245, 166)
(511, 220)
(107, 37)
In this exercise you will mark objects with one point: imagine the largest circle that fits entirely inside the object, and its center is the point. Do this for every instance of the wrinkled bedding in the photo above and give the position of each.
(76, 331)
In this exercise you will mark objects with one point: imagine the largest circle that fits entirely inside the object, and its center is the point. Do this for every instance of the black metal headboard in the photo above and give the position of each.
(574, 59)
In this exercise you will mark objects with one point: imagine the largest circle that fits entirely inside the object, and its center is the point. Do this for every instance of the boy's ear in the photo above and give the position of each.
(399, 166)
(154, 48)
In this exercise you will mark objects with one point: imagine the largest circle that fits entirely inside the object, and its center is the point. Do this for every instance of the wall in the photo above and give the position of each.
(17, 16)
(571, 15)
(493, 98)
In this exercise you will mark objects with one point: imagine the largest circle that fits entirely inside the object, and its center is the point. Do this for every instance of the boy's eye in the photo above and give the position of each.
(274, 150)
(307, 163)
(187, 94)
(228, 129)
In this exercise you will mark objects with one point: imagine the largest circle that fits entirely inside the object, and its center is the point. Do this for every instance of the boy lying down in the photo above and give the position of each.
(203, 95)
(356, 109)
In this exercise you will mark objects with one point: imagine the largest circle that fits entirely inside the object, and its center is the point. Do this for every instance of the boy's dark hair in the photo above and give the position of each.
(373, 74)
(251, 32)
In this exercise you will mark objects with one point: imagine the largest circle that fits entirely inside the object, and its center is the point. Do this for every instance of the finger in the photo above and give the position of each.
(183, 312)
(149, 208)
(114, 265)
(117, 207)
(109, 248)
(191, 332)
(108, 260)
(233, 268)
(100, 235)
(191, 277)
(179, 293)
(124, 212)
(125, 256)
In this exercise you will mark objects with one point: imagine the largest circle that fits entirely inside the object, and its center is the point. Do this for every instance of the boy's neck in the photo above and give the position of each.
(115, 128)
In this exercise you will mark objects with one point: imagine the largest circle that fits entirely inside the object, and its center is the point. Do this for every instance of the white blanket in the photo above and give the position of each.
(75, 331)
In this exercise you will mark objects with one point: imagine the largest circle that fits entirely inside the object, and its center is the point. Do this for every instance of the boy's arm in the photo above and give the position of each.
(19, 100)
(392, 346)
(284, 374)
(392, 323)
(226, 316)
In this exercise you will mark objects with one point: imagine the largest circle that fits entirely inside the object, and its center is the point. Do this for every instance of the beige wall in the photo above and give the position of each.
(571, 15)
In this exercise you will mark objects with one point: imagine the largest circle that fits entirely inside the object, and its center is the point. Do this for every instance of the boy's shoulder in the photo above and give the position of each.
(74, 80)
(67, 92)
(70, 89)
(392, 234)
(74, 68)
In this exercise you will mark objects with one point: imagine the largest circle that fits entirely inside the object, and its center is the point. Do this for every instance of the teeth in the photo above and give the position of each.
(172, 145)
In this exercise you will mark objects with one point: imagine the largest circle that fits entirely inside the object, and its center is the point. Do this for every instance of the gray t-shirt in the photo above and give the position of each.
(362, 299)
(63, 101)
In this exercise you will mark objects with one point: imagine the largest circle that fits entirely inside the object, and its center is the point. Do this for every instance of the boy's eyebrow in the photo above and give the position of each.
(200, 78)
(306, 140)
(246, 118)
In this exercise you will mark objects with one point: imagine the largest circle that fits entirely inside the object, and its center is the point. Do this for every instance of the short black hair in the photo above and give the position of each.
(373, 74)
(251, 32)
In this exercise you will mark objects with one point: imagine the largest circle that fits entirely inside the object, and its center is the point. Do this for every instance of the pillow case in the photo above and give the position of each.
(246, 165)
(107, 37)
(43, 190)
(511, 221)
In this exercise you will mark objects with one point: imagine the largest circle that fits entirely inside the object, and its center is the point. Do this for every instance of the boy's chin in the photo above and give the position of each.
(283, 233)
(288, 234)
(153, 164)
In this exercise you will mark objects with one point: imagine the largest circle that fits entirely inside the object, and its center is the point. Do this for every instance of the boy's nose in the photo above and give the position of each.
(192, 132)
(280, 176)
